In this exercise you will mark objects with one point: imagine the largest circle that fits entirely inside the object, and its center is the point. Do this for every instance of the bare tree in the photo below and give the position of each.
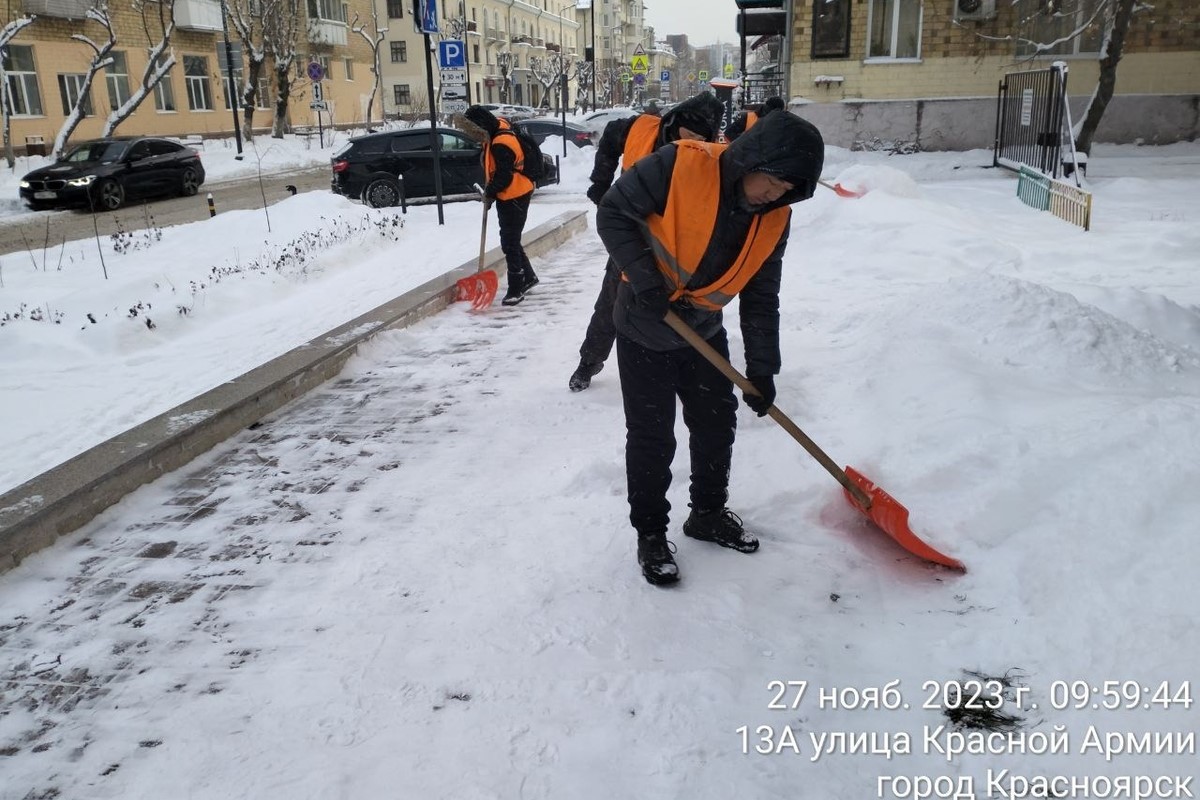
(505, 62)
(160, 57)
(7, 33)
(101, 58)
(373, 41)
(281, 35)
(1116, 26)
(549, 72)
(583, 83)
(247, 17)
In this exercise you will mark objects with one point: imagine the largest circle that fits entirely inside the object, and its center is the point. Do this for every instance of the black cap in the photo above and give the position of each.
(481, 117)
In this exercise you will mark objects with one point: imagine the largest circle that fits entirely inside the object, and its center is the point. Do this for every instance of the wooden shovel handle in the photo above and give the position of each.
(785, 422)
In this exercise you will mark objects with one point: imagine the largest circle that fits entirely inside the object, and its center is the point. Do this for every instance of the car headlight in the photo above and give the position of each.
(86, 180)
(24, 184)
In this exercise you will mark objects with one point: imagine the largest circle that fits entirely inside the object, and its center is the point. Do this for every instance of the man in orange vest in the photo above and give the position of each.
(627, 141)
(691, 227)
(745, 121)
(510, 190)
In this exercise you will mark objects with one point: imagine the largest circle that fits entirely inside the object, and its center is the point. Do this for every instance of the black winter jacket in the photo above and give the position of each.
(781, 144)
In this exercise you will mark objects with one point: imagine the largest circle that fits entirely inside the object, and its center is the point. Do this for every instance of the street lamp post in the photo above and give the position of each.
(231, 90)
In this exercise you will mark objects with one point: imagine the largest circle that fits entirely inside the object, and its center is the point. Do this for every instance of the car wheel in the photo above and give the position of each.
(190, 183)
(109, 195)
(382, 193)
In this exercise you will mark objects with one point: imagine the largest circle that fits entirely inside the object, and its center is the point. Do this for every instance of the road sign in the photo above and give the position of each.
(639, 51)
(315, 71)
(456, 76)
(626, 77)
(454, 106)
(639, 79)
(664, 76)
(703, 74)
(318, 105)
(452, 55)
(640, 64)
(454, 92)
(729, 70)
(428, 16)
(691, 76)
(318, 92)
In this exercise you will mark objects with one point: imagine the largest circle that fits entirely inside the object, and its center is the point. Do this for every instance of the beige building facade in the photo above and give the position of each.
(928, 72)
(44, 71)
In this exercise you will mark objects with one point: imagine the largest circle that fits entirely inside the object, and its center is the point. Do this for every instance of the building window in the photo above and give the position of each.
(327, 10)
(1046, 21)
(401, 96)
(116, 75)
(399, 52)
(326, 63)
(475, 58)
(395, 9)
(199, 88)
(349, 64)
(895, 29)
(164, 95)
(70, 87)
(23, 94)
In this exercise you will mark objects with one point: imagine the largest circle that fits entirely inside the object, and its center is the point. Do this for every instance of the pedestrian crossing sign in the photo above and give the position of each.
(640, 64)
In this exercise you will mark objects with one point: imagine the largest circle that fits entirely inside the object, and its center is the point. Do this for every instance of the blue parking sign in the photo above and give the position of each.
(665, 76)
(452, 54)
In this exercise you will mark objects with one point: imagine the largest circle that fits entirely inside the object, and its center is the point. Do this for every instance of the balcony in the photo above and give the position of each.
(62, 9)
(472, 27)
(493, 35)
(522, 39)
(198, 15)
(539, 44)
(553, 48)
(327, 32)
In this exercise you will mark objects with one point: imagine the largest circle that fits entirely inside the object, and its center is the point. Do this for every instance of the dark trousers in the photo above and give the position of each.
(511, 215)
(598, 341)
(650, 383)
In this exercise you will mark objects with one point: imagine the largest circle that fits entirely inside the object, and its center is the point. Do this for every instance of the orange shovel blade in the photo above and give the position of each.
(479, 289)
(892, 518)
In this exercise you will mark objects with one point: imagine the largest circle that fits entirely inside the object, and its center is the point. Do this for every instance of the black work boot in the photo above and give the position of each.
(516, 291)
(654, 557)
(531, 280)
(581, 378)
(720, 526)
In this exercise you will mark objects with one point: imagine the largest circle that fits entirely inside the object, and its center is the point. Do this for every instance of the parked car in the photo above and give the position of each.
(539, 129)
(596, 121)
(510, 112)
(103, 173)
(382, 168)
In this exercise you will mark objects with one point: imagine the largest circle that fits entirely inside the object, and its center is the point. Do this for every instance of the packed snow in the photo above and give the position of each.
(420, 580)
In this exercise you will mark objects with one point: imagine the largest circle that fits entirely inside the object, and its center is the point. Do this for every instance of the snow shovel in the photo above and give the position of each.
(480, 288)
(870, 501)
(841, 191)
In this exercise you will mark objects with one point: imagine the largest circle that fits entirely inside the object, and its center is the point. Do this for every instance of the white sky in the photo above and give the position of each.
(704, 21)
(419, 580)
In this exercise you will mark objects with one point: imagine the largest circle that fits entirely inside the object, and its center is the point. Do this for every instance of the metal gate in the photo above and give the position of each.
(1029, 120)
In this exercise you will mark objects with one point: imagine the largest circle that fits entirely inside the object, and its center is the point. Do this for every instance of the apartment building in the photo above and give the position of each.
(928, 71)
(45, 69)
(516, 52)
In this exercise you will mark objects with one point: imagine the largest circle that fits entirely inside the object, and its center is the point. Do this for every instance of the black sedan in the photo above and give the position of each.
(383, 168)
(539, 129)
(102, 174)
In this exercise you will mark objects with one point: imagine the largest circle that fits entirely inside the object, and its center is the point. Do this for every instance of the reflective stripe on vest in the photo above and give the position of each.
(506, 138)
(680, 237)
(640, 141)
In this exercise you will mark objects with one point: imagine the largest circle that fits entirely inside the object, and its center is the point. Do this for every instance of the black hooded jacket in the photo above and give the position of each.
(783, 145)
(503, 159)
(705, 108)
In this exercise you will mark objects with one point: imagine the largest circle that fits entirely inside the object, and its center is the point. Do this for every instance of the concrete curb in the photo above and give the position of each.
(60, 500)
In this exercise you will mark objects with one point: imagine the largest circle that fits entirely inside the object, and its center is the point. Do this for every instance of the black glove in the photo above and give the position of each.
(596, 192)
(766, 387)
(654, 301)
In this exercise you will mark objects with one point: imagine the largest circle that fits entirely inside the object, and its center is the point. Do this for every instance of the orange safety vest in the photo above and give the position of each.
(680, 237)
(520, 185)
(751, 118)
(640, 140)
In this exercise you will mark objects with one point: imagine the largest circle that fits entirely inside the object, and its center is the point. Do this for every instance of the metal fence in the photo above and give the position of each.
(1029, 120)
